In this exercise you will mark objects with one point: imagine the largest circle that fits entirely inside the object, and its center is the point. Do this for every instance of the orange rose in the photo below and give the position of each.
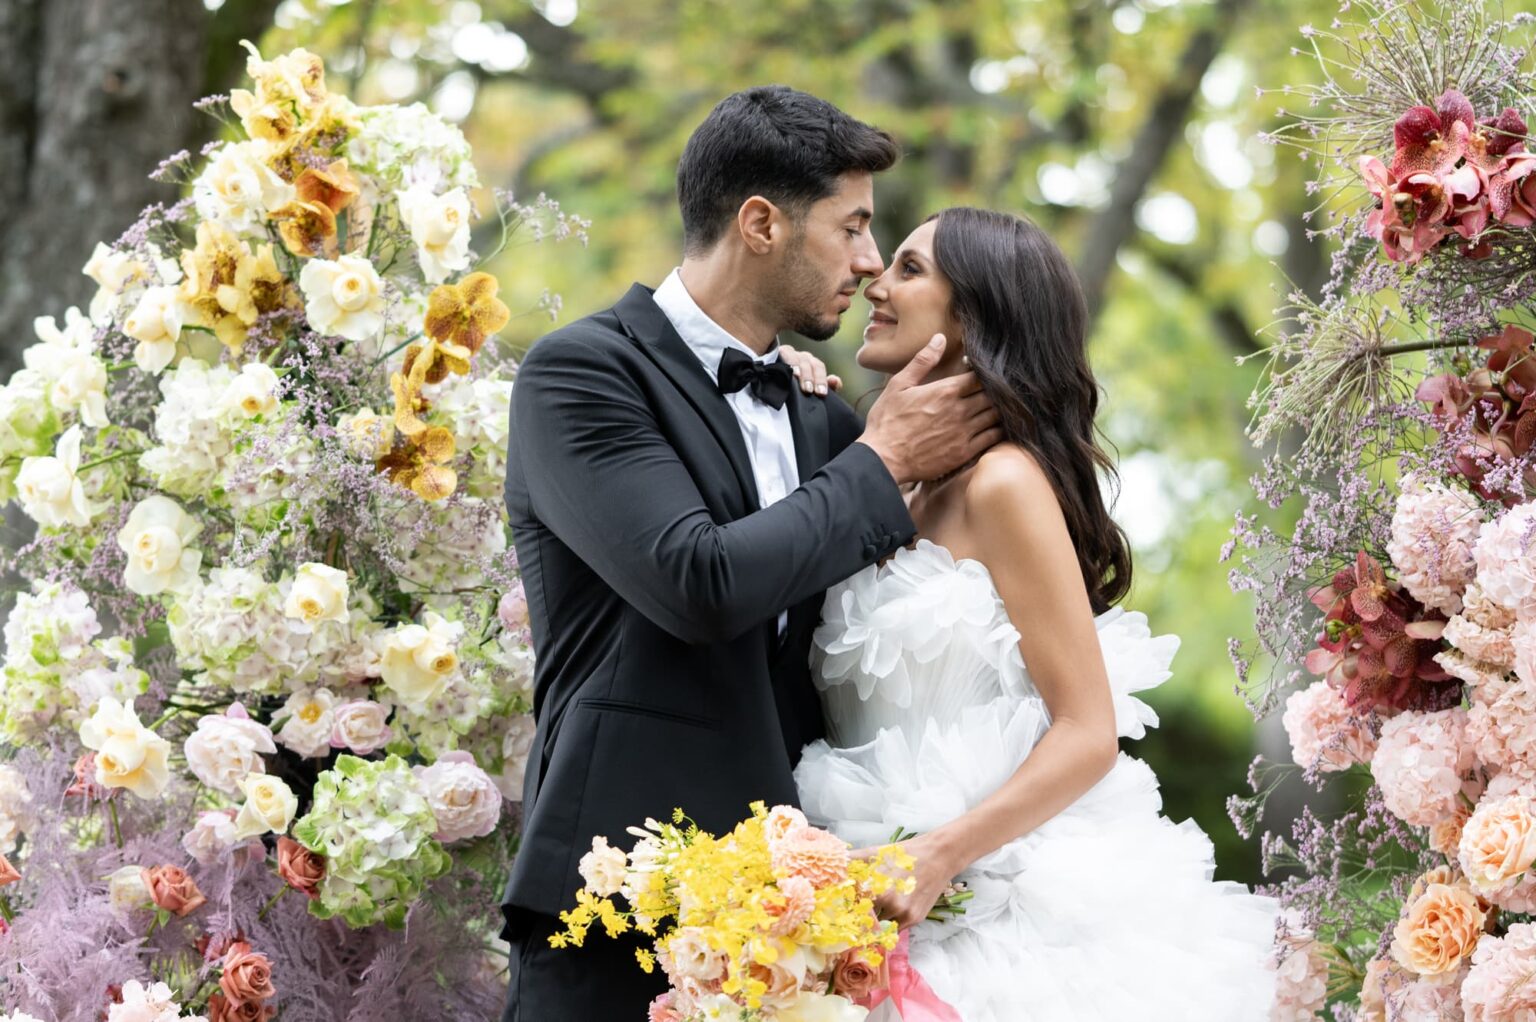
(1445, 836)
(247, 974)
(299, 867)
(8, 873)
(1498, 843)
(222, 1009)
(1440, 928)
(173, 890)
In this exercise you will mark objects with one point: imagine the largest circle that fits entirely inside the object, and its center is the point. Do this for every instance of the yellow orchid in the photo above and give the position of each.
(467, 313)
(307, 228)
(420, 464)
(335, 187)
(210, 286)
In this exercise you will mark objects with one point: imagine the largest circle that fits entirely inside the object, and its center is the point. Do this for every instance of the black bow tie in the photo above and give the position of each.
(770, 382)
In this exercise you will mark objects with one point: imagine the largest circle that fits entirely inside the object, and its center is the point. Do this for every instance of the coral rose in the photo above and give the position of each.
(223, 1009)
(816, 855)
(856, 977)
(1439, 929)
(247, 974)
(299, 867)
(173, 890)
(8, 873)
(1498, 842)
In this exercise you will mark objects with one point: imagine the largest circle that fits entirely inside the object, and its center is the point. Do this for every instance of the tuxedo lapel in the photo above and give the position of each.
(646, 323)
(808, 422)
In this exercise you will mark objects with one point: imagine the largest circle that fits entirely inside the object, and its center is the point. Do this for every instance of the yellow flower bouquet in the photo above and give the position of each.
(773, 921)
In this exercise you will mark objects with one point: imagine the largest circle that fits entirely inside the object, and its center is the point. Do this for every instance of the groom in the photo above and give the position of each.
(678, 509)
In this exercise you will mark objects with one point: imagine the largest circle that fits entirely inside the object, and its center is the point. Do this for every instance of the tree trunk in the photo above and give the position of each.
(93, 95)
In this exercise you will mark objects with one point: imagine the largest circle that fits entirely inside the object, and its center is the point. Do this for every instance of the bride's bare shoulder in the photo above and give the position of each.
(1005, 474)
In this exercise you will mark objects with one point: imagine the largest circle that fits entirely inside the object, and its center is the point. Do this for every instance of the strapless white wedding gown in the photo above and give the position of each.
(1108, 911)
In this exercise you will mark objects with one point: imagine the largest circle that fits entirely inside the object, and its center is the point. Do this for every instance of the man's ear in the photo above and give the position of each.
(761, 224)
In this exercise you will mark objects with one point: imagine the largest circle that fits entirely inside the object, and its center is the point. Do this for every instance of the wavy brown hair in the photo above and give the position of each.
(1024, 324)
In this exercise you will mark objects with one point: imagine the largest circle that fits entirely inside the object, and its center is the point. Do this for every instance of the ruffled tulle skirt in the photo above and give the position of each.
(1106, 912)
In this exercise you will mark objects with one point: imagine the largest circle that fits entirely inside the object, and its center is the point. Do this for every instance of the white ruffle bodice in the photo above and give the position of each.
(1108, 910)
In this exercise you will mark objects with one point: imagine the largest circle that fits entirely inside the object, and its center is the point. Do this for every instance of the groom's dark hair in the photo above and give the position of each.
(774, 141)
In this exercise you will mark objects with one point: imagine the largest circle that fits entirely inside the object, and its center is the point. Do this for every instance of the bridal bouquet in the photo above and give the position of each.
(1405, 591)
(773, 921)
(265, 693)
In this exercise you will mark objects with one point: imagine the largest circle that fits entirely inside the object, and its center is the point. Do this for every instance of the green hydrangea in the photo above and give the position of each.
(372, 823)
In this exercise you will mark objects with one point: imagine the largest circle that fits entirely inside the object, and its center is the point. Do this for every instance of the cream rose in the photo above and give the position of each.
(811, 1006)
(1439, 929)
(239, 189)
(252, 393)
(307, 730)
(156, 539)
(319, 593)
(419, 660)
(463, 797)
(603, 868)
(79, 384)
(366, 433)
(439, 225)
(343, 297)
(156, 324)
(128, 889)
(49, 487)
(212, 837)
(227, 747)
(128, 754)
(360, 726)
(114, 273)
(1498, 842)
(269, 806)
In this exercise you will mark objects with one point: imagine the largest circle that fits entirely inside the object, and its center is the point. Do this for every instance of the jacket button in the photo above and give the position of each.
(870, 552)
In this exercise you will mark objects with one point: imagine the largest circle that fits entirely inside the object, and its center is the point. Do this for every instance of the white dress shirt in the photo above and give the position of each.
(769, 438)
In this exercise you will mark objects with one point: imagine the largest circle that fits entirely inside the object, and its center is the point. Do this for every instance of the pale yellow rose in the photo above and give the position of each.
(343, 297)
(128, 754)
(49, 487)
(156, 324)
(157, 539)
(1498, 842)
(252, 393)
(419, 661)
(439, 225)
(270, 805)
(1438, 930)
(114, 273)
(366, 433)
(319, 593)
(128, 889)
(239, 189)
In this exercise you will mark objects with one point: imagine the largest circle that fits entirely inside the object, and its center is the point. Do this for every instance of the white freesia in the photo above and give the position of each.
(157, 538)
(252, 393)
(419, 661)
(319, 593)
(127, 891)
(343, 297)
(463, 797)
(238, 189)
(156, 324)
(307, 729)
(49, 487)
(439, 226)
(269, 806)
(128, 754)
(226, 748)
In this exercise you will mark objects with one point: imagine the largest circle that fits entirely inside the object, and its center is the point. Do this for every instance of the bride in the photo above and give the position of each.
(975, 685)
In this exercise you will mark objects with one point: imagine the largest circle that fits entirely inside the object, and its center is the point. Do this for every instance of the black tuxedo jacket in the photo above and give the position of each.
(654, 585)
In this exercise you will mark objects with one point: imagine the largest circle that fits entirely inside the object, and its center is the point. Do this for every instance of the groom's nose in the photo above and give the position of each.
(866, 258)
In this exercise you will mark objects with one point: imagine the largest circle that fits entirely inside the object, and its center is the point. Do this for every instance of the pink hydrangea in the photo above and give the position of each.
(1423, 764)
(1433, 531)
(1301, 973)
(1463, 668)
(1483, 630)
(1325, 734)
(1499, 986)
(1501, 727)
(1506, 562)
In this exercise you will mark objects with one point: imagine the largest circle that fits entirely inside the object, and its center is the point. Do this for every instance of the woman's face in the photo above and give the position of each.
(909, 304)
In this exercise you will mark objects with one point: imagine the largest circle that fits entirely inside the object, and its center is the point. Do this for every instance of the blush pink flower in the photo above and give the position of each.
(781, 820)
(799, 903)
(1325, 734)
(1501, 726)
(1483, 630)
(661, 1010)
(1301, 972)
(1423, 765)
(1498, 988)
(8, 873)
(1433, 530)
(173, 890)
(816, 855)
(1506, 560)
(1498, 849)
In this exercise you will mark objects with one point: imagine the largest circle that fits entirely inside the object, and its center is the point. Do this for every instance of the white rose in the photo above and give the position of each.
(439, 225)
(225, 749)
(128, 754)
(252, 393)
(239, 189)
(419, 660)
(319, 593)
(127, 890)
(516, 744)
(603, 868)
(49, 487)
(114, 273)
(269, 806)
(366, 433)
(811, 1006)
(343, 297)
(212, 837)
(156, 324)
(156, 538)
(15, 808)
(360, 726)
(308, 727)
(80, 383)
(463, 797)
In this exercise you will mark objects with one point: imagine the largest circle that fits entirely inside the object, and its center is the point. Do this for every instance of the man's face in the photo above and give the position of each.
(829, 253)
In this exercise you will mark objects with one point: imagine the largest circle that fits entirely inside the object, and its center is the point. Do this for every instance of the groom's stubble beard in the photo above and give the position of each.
(803, 292)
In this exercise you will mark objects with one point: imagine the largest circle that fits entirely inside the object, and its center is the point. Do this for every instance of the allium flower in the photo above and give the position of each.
(1433, 531)
(1499, 987)
(1424, 764)
(1325, 735)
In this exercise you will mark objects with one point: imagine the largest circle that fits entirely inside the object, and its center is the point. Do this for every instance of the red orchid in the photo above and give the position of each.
(1431, 141)
(1378, 643)
(1500, 398)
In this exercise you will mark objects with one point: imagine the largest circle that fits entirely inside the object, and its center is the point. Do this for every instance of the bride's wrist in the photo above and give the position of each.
(949, 848)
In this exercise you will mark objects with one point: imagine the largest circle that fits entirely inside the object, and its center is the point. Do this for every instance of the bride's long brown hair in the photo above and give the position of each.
(1024, 322)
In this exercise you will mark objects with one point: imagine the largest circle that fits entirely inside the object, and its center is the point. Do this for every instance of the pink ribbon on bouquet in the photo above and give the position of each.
(913, 997)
